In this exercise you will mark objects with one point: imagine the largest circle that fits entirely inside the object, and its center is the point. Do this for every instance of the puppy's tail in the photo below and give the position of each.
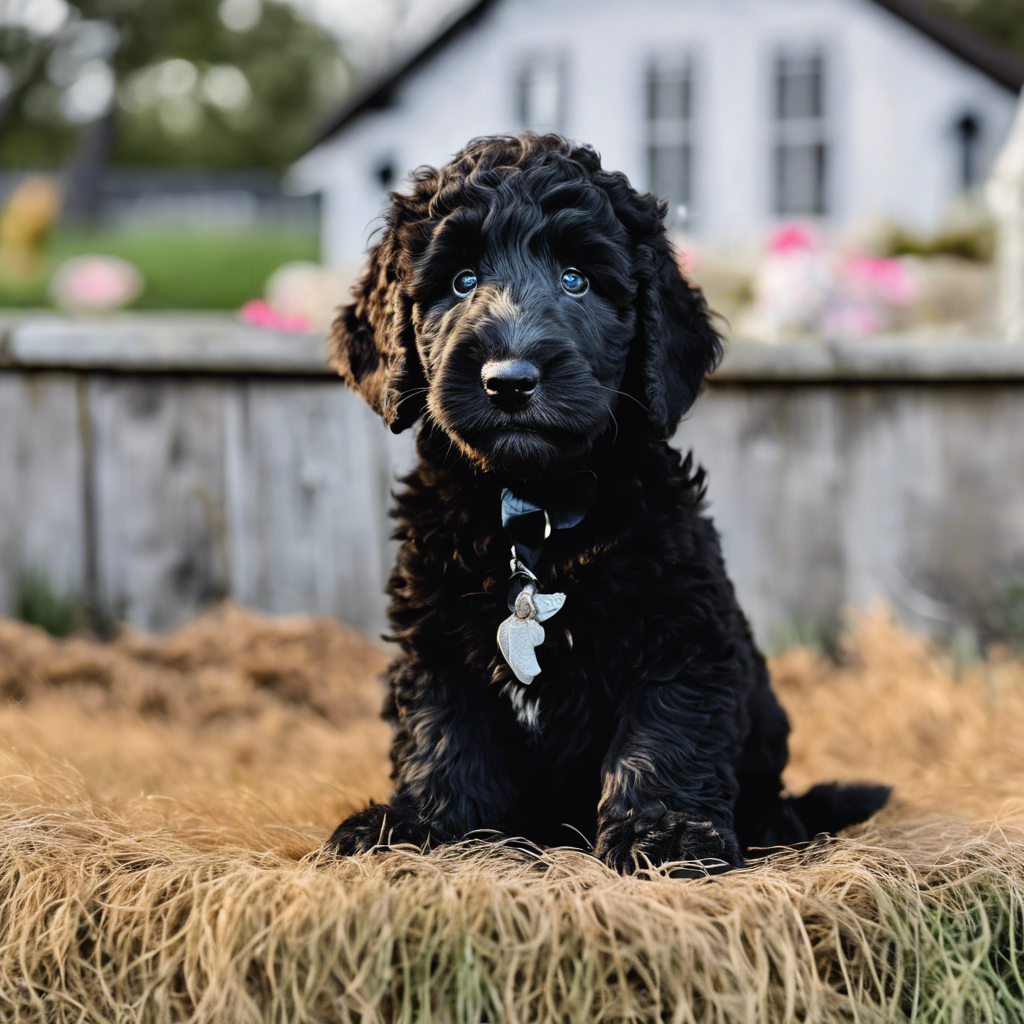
(831, 807)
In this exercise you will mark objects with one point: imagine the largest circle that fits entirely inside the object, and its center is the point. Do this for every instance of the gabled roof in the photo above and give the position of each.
(1000, 63)
(376, 94)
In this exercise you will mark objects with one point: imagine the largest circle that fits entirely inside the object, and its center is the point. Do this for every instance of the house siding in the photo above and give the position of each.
(892, 94)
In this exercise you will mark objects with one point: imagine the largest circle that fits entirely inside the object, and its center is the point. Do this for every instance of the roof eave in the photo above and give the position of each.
(377, 95)
(1003, 66)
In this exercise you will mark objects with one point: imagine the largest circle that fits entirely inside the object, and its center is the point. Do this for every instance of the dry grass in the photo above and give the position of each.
(164, 801)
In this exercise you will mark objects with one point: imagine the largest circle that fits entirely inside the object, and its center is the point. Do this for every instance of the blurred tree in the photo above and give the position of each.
(170, 83)
(1003, 20)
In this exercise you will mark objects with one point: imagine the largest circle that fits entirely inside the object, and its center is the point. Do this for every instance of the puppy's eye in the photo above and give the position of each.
(464, 283)
(573, 282)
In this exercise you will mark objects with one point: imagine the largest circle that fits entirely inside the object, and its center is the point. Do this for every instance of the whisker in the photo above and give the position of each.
(410, 394)
(626, 394)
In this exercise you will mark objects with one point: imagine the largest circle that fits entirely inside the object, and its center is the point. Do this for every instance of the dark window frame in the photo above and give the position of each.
(801, 147)
(670, 133)
(542, 62)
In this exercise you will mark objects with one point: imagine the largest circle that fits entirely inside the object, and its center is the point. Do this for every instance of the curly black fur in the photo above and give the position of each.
(652, 732)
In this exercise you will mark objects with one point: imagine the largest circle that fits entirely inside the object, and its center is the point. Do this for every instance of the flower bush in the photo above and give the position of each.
(804, 286)
(95, 284)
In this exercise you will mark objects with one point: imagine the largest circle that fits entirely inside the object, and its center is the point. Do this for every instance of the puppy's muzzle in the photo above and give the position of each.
(510, 383)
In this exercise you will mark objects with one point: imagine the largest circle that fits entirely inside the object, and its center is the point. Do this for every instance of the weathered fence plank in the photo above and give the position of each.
(42, 484)
(158, 479)
(309, 470)
(829, 497)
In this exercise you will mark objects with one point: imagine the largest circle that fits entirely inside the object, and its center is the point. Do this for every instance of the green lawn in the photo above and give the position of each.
(183, 269)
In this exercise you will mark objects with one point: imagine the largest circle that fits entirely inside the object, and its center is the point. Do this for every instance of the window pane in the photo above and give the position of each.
(798, 90)
(670, 173)
(800, 151)
(540, 96)
(800, 179)
(668, 94)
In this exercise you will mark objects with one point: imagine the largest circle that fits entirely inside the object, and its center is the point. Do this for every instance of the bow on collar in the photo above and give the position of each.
(529, 524)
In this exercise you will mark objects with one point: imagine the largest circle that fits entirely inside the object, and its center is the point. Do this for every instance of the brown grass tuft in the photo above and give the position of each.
(164, 801)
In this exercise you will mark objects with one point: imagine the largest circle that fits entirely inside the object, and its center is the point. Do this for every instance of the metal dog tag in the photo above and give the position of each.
(522, 631)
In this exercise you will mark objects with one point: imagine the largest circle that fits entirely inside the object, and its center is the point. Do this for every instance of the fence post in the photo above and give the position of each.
(1005, 192)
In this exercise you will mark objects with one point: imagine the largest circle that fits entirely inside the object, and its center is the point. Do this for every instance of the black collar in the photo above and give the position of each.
(529, 521)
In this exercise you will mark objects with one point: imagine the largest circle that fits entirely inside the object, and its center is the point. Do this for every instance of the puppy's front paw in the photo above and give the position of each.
(628, 844)
(379, 827)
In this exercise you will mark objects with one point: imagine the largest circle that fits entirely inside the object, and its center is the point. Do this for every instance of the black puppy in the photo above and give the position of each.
(527, 304)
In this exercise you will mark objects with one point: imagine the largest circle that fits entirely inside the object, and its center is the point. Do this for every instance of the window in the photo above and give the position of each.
(670, 135)
(968, 128)
(541, 93)
(800, 156)
(384, 172)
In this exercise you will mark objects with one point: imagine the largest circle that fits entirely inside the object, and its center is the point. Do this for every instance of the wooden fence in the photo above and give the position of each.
(152, 465)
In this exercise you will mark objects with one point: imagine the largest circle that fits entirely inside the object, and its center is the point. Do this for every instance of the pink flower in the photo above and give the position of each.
(888, 279)
(261, 314)
(792, 238)
(95, 283)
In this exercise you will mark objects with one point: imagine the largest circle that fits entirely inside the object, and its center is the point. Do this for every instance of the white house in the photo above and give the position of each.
(743, 113)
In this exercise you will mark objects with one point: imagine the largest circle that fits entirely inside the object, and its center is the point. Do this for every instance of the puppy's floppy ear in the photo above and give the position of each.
(679, 345)
(373, 343)
(676, 344)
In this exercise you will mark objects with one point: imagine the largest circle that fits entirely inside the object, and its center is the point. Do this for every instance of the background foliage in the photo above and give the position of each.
(1003, 20)
(171, 83)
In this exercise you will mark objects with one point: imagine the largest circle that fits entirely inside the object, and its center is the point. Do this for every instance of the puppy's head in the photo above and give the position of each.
(515, 297)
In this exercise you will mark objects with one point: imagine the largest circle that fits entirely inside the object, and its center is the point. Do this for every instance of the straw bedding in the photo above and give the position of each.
(164, 799)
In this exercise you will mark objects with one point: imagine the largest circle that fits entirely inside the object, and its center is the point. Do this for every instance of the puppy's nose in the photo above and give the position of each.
(510, 383)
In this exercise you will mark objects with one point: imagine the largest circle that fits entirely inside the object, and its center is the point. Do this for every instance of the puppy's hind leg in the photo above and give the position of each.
(765, 818)
(831, 807)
